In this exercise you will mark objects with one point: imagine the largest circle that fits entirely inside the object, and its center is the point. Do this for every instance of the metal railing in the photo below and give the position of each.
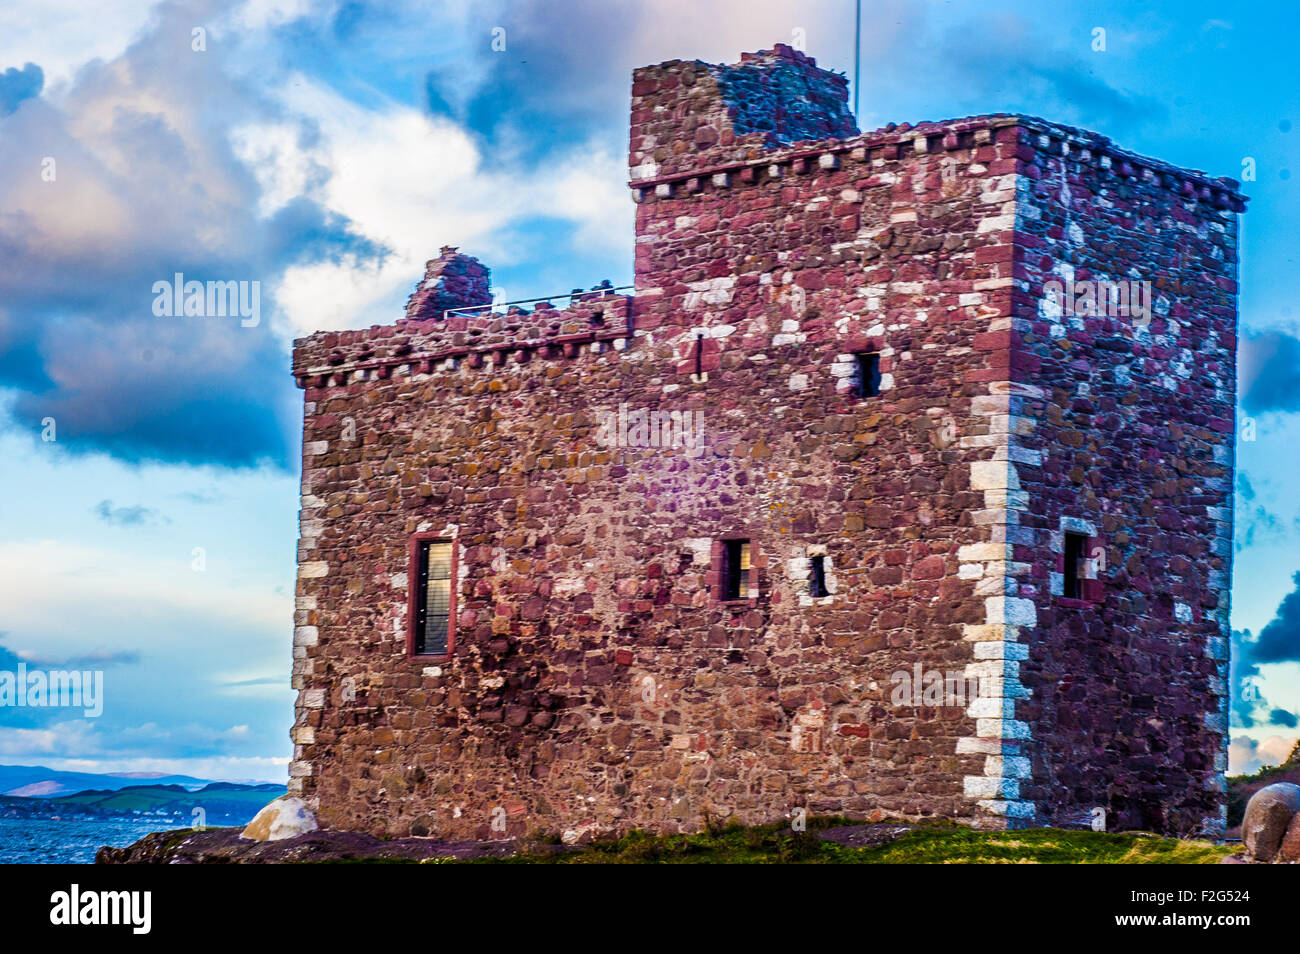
(569, 298)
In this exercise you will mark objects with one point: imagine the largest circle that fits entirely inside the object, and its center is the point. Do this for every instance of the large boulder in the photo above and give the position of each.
(1268, 816)
(282, 818)
(1289, 851)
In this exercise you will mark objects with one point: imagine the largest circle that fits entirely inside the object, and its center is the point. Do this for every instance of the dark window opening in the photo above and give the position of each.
(735, 570)
(433, 617)
(817, 578)
(1076, 545)
(866, 371)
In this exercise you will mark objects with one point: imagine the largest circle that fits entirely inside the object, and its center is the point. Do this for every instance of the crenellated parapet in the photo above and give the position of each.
(717, 172)
(478, 336)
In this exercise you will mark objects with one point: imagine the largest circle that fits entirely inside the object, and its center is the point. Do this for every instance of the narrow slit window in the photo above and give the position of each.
(817, 578)
(735, 570)
(1076, 545)
(433, 619)
(866, 371)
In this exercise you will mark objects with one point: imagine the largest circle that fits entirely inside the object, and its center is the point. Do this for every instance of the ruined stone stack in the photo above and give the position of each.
(782, 94)
(451, 280)
(689, 115)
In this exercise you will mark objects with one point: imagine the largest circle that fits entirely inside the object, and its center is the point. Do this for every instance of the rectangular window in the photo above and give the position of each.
(817, 578)
(1076, 548)
(735, 570)
(866, 374)
(433, 607)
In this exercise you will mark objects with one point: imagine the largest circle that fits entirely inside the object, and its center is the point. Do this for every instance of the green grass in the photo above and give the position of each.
(777, 844)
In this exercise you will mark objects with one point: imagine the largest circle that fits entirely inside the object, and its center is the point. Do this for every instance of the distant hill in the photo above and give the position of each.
(37, 781)
(222, 803)
(218, 798)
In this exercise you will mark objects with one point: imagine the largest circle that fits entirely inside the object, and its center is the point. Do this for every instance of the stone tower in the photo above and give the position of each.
(901, 485)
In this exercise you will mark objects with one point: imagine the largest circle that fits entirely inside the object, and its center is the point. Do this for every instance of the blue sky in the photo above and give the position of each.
(326, 150)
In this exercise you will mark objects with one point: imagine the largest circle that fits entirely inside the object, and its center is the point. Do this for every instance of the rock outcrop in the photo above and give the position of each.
(282, 818)
(1271, 819)
(1270, 832)
(228, 846)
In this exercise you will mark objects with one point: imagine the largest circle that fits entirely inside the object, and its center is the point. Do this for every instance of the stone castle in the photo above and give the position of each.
(886, 416)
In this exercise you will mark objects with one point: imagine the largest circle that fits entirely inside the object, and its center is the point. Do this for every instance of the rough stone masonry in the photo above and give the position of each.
(940, 463)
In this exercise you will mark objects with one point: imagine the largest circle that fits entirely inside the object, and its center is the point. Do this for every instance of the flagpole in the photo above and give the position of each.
(857, 56)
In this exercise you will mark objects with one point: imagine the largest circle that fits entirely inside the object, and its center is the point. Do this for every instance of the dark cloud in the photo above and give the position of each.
(551, 72)
(1283, 718)
(17, 85)
(1015, 69)
(1092, 99)
(95, 659)
(302, 231)
(1270, 372)
(551, 69)
(1279, 641)
(147, 185)
(127, 516)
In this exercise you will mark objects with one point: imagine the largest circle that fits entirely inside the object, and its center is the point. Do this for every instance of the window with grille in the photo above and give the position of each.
(433, 604)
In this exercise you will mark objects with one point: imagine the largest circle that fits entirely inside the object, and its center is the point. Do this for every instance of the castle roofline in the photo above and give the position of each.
(592, 321)
(930, 136)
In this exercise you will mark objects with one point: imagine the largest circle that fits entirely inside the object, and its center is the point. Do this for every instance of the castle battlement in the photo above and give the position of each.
(897, 141)
(481, 338)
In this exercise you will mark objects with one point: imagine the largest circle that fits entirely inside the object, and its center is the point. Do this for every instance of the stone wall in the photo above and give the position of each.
(1128, 427)
(596, 679)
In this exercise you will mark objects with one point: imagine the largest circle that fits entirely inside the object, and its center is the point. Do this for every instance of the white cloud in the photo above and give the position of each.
(63, 739)
(1246, 755)
(411, 183)
(590, 189)
(263, 14)
(52, 587)
(60, 36)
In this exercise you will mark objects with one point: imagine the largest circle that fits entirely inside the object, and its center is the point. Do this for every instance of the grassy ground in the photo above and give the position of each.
(774, 844)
